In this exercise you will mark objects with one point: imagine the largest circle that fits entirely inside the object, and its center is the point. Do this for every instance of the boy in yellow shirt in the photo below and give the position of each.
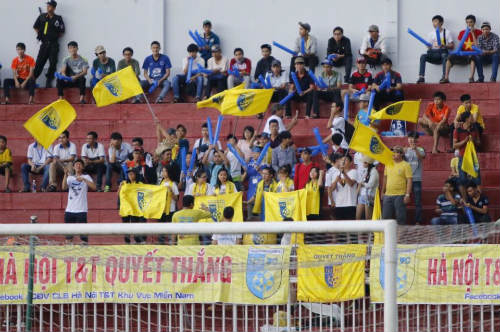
(477, 119)
(5, 162)
(189, 215)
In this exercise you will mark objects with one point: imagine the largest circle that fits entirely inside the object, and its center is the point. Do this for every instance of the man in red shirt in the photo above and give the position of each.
(470, 41)
(23, 67)
(360, 79)
(435, 119)
(303, 169)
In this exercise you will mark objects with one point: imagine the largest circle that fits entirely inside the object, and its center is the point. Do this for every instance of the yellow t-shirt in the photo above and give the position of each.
(187, 216)
(473, 110)
(6, 156)
(397, 174)
(454, 165)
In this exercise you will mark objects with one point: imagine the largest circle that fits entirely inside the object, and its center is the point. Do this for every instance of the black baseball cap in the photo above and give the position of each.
(52, 3)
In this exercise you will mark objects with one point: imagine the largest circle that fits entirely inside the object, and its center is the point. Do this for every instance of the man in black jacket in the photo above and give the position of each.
(264, 64)
(341, 47)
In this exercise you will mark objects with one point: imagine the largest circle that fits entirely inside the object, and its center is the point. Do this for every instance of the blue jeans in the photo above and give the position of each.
(417, 193)
(487, 59)
(114, 167)
(180, 81)
(444, 220)
(26, 170)
(165, 86)
(436, 57)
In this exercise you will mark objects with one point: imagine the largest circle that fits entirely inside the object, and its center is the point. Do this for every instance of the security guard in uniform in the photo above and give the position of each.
(49, 27)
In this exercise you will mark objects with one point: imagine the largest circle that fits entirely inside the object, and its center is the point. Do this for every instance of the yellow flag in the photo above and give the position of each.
(377, 215)
(216, 205)
(216, 100)
(331, 273)
(279, 206)
(116, 87)
(142, 200)
(246, 102)
(470, 163)
(406, 110)
(366, 141)
(47, 124)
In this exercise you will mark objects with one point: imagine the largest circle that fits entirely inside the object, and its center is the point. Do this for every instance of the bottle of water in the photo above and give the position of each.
(33, 186)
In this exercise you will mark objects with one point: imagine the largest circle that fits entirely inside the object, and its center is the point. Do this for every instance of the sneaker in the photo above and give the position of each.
(471, 80)
(420, 80)
(107, 189)
(493, 80)
(99, 190)
(159, 100)
(480, 80)
(444, 81)
(175, 100)
(51, 189)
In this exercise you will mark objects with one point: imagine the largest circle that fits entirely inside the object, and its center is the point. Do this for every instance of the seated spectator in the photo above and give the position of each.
(64, 154)
(127, 60)
(234, 165)
(156, 71)
(210, 39)
(306, 84)
(455, 59)
(131, 178)
(224, 185)
(246, 143)
(23, 77)
(392, 94)
(200, 187)
(195, 84)
(5, 162)
(284, 154)
(337, 124)
(243, 66)
(343, 189)
(310, 57)
(277, 114)
(278, 81)
(138, 165)
(75, 67)
(415, 155)
(476, 118)
(285, 183)
(94, 158)
(219, 65)
(118, 152)
(489, 44)
(360, 79)
(264, 64)
(341, 47)
(39, 160)
(103, 64)
(214, 164)
(314, 188)
(332, 92)
(437, 53)
(435, 119)
(227, 239)
(172, 167)
(190, 215)
(373, 47)
(478, 203)
(171, 199)
(447, 205)
(303, 169)
(368, 182)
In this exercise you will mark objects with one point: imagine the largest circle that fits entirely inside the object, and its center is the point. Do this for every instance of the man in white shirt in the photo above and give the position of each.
(117, 153)
(279, 81)
(227, 239)
(277, 112)
(64, 154)
(78, 186)
(343, 189)
(94, 157)
(373, 47)
(202, 144)
(39, 160)
(180, 80)
(219, 65)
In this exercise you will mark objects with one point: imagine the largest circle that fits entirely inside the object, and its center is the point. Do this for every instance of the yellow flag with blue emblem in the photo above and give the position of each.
(366, 141)
(246, 102)
(331, 273)
(216, 100)
(378, 237)
(48, 123)
(406, 110)
(216, 205)
(142, 200)
(117, 87)
(470, 163)
(279, 206)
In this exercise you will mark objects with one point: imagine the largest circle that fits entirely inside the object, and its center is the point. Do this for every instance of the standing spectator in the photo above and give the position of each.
(303, 169)
(415, 155)
(362, 115)
(77, 186)
(219, 65)
(285, 183)
(210, 39)
(455, 59)
(267, 184)
(277, 115)
(437, 53)
(274, 137)
(264, 64)
(75, 67)
(234, 165)
(435, 119)
(64, 155)
(127, 60)
(368, 181)
(254, 177)
(396, 187)
(243, 66)
(174, 171)
(392, 94)
(190, 215)
(478, 203)
(360, 79)
(343, 189)
(49, 27)
(278, 81)
(314, 188)
(330, 175)
(467, 105)
(200, 187)
(131, 178)
(102, 63)
(373, 47)
(489, 44)
(310, 47)
(171, 199)
(224, 185)
(203, 144)
(39, 160)
(118, 152)
(306, 85)
(338, 125)
(5, 162)
(447, 205)
(195, 83)
(22, 74)
(227, 239)
(156, 71)
(332, 92)
(214, 164)
(245, 144)
(94, 158)
(284, 154)
(340, 46)
(145, 161)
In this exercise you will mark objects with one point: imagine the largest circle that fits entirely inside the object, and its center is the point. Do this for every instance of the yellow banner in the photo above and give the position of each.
(366, 141)
(216, 204)
(470, 163)
(467, 274)
(331, 273)
(279, 206)
(246, 102)
(147, 274)
(142, 200)
(117, 87)
(216, 100)
(406, 110)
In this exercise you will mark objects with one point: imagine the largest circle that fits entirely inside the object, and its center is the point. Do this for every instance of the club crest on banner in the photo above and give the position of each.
(394, 109)
(405, 275)
(244, 100)
(284, 205)
(333, 275)
(144, 198)
(216, 206)
(375, 145)
(114, 86)
(264, 271)
(50, 118)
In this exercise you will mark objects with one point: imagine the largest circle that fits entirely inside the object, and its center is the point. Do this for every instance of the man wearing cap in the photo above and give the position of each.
(278, 81)
(396, 187)
(340, 46)
(360, 79)
(488, 42)
(264, 64)
(49, 27)
(219, 65)
(329, 94)
(310, 44)
(389, 95)
(104, 64)
(210, 39)
(373, 47)
(306, 84)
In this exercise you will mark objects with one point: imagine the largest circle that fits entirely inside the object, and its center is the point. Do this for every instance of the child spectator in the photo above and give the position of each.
(310, 44)
(224, 185)
(190, 215)
(39, 160)
(131, 179)
(233, 162)
(478, 203)
(329, 94)
(156, 71)
(195, 83)
(64, 154)
(277, 115)
(415, 155)
(476, 118)
(227, 239)
(219, 65)
(285, 183)
(303, 169)
(118, 152)
(306, 85)
(373, 47)
(368, 182)
(435, 119)
(94, 158)
(245, 144)
(389, 95)
(437, 53)
(127, 60)
(360, 79)
(210, 39)
(341, 47)
(171, 199)
(200, 187)
(489, 44)
(5, 162)
(264, 64)
(284, 154)
(23, 77)
(103, 63)
(314, 188)
(447, 205)
(75, 67)
(243, 66)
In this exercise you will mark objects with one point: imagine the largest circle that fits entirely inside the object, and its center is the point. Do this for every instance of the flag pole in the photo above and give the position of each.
(149, 106)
